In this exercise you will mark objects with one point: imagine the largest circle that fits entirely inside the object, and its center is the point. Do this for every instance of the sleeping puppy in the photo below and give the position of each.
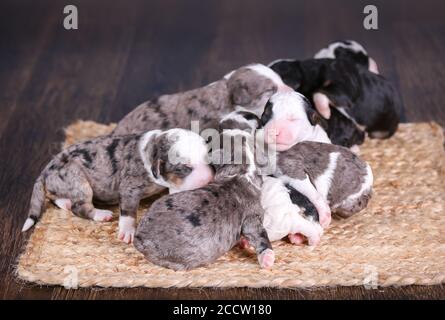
(368, 102)
(194, 228)
(120, 170)
(246, 88)
(330, 176)
(287, 211)
(288, 118)
(350, 50)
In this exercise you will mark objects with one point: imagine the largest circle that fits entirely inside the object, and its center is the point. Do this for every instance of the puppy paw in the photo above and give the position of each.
(296, 238)
(324, 216)
(126, 229)
(64, 204)
(102, 215)
(243, 243)
(266, 258)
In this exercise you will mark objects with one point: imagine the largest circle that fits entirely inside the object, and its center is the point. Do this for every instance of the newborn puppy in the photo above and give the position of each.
(330, 176)
(247, 88)
(120, 170)
(288, 119)
(194, 228)
(367, 101)
(288, 213)
(348, 49)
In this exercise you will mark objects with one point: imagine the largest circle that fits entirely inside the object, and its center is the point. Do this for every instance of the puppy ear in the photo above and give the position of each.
(289, 71)
(158, 168)
(322, 104)
(315, 118)
(267, 114)
(239, 95)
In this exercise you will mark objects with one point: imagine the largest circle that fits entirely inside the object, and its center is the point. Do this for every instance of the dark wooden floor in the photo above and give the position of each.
(127, 51)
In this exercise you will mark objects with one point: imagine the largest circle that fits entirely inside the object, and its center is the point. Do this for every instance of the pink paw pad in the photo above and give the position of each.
(243, 243)
(266, 258)
(325, 218)
(296, 238)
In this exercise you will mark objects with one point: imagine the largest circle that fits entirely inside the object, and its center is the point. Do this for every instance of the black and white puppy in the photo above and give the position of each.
(366, 101)
(350, 50)
(194, 228)
(122, 170)
(288, 118)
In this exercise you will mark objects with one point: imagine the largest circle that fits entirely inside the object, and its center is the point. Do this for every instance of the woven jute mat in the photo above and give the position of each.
(398, 240)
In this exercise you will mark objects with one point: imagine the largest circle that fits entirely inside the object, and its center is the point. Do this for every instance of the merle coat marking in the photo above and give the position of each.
(242, 88)
(194, 228)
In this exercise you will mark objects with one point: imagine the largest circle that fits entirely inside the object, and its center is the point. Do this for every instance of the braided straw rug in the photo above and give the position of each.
(398, 240)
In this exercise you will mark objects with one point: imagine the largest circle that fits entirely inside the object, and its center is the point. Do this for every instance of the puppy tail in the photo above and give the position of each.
(36, 204)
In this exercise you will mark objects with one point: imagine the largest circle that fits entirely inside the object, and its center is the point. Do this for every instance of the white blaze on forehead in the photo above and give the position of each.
(290, 105)
(329, 51)
(267, 72)
(187, 145)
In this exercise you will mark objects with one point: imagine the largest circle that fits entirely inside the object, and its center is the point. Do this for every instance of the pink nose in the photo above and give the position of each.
(205, 175)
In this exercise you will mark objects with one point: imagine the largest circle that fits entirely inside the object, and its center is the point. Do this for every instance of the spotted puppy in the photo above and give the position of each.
(351, 50)
(194, 228)
(247, 88)
(120, 170)
(330, 176)
(364, 101)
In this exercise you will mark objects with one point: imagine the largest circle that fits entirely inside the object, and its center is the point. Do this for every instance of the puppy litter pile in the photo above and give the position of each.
(398, 240)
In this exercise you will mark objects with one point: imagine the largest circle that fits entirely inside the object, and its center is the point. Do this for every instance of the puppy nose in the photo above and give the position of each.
(206, 175)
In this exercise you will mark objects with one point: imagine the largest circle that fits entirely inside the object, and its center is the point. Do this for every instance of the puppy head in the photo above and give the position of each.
(235, 156)
(349, 50)
(340, 86)
(243, 120)
(250, 87)
(177, 159)
(287, 119)
(366, 98)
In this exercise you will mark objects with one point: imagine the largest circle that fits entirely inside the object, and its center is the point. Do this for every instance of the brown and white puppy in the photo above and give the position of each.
(194, 228)
(122, 170)
(348, 49)
(332, 177)
(246, 88)
(288, 118)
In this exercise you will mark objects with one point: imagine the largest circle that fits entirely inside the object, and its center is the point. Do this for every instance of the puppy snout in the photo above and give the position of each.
(204, 173)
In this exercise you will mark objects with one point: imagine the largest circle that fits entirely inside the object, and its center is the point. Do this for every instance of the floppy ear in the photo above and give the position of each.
(267, 114)
(315, 118)
(239, 94)
(158, 168)
(322, 104)
(289, 72)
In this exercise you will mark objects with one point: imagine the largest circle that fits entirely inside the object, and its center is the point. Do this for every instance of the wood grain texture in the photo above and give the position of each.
(124, 53)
